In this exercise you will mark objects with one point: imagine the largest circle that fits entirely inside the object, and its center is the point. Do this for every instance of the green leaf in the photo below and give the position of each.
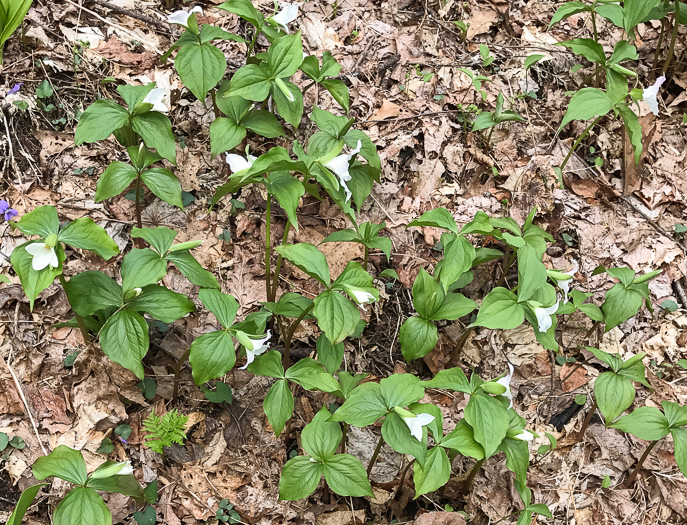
(339, 92)
(25, 501)
(299, 478)
(162, 303)
(647, 423)
(587, 47)
(309, 374)
(288, 191)
(331, 356)
(41, 221)
(346, 476)
(224, 306)
(126, 484)
(613, 394)
(263, 123)
(156, 131)
(244, 9)
(320, 438)
(268, 364)
(455, 306)
(225, 135)
(489, 421)
(533, 59)
(115, 179)
(458, 256)
(285, 55)
(336, 316)
(288, 99)
(192, 270)
(200, 68)
(134, 95)
(418, 337)
(620, 305)
(438, 218)
(160, 237)
(531, 273)
(500, 309)
(586, 104)
(212, 355)
(450, 379)
(680, 441)
(568, 9)
(278, 406)
(428, 296)
(141, 267)
(462, 439)
(85, 234)
(164, 184)
(64, 463)
(435, 474)
(82, 506)
(636, 11)
(124, 339)
(675, 414)
(401, 390)
(397, 435)
(222, 393)
(634, 129)
(308, 259)
(363, 406)
(251, 82)
(517, 457)
(99, 120)
(91, 291)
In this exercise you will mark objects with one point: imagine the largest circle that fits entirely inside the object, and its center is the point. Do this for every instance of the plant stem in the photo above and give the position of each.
(579, 139)
(676, 27)
(403, 477)
(659, 46)
(491, 131)
(510, 257)
(306, 88)
(467, 484)
(177, 371)
(629, 481)
(596, 39)
(273, 296)
(268, 253)
(365, 256)
(374, 455)
(139, 222)
(288, 336)
(343, 438)
(252, 43)
(459, 346)
(213, 95)
(586, 422)
(79, 320)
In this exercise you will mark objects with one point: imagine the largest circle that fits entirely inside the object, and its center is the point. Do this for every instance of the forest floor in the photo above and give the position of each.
(401, 60)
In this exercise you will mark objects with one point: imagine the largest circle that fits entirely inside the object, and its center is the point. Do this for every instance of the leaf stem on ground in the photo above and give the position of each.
(375, 454)
(587, 420)
(629, 481)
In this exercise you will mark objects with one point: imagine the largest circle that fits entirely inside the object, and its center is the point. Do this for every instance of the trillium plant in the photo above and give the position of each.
(118, 306)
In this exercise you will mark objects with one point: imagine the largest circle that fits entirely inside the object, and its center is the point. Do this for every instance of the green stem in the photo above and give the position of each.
(365, 257)
(280, 260)
(252, 43)
(579, 139)
(374, 455)
(467, 484)
(586, 422)
(596, 39)
(459, 346)
(676, 27)
(213, 95)
(343, 438)
(79, 320)
(177, 371)
(268, 252)
(659, 46)
(629, 481)
(288, 336)
(491, 132)
(306, 88)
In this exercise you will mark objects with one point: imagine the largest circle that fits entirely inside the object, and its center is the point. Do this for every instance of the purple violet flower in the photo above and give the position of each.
(15, 89)
(6, 211)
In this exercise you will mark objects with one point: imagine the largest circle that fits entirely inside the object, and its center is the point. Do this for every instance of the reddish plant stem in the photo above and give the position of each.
(629, 481)
(374, 455)
(587, 420)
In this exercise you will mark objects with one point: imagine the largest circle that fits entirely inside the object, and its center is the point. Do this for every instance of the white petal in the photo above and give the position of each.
(126, 469)
(340, 166)
(156, 98)
(43, 257)
(238, 163)
(288, 14)
(361, 296)
(424, 419)
(34, 248)
(250, 357)
(544, 317)
(505, 381)
(54, 262)
(651, 93)
(181, 17)
(260, 346)
(525, 435)
(565, 285)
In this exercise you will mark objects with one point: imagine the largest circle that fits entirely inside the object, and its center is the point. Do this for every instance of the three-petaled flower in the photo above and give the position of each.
(361, 296)
(545, 317)
(651, 93)
(44, 253)
(288, 14)
(565, 285)
(7, 212)
(340, 166)
(525, 435)
(156, 97)
(415, 424)
(238, 163)
(181, 17)
(260, 346)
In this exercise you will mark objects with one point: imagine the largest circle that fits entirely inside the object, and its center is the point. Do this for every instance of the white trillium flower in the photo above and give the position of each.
(525, 435)
(121, 468)
(181, 17)
(565, 285)
(340, 166)
(361, 297)
(505, 382)
(260, 346)
(416, 423)
(156, 97)
(238, 163)
(43, 256)
(288, 14)
(545, 317)
(651, 93)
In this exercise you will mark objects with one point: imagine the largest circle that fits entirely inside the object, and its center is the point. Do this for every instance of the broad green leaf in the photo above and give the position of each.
(263, 123)
(285, 55)
(91, 291)
(438, 218)
(363, 406)
(156, 131)
(299, 478)
(268, 365)
(251, 82)
(288, 191)
(289, 104)
(675, 414)
(85, 234)
(339, 92)
(212, 355)
(307, 258)
(428, 296)
(200, 68)
(633, 128)
(278, 405)
(434, 475)
(397, 435)
(33, 282)
(41, 221)
(164, 184)
(587, 47)
(613, 394)
(336, 316)
(450, 379)
(134, 95)
(418, 337)
(620, 305)
(320, 438)
(346, 476)
(246, 10)
(647, 423)
(160, 237)
(82, 506)
(517, 457)
(123, 484)
(162, 303)
(309, 374)
(25, 501)
(224, 306)
(568, 9)
(458, 257)
(401, 390)
(462, 439)
(99, 120)
(331, 356)
(612, 12)
(489, 421)
(115, 179)
(586, 104)
(500, 309)
(533, 59)
(124, 339)
(225, 135)
(141, 267)
(455, 306)
(680, 442)
(192, 270)
(531, 273)
(64, 463)
(636, 11)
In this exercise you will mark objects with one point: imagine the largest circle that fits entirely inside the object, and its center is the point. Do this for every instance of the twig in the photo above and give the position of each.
(133, 14)
(429, 114)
